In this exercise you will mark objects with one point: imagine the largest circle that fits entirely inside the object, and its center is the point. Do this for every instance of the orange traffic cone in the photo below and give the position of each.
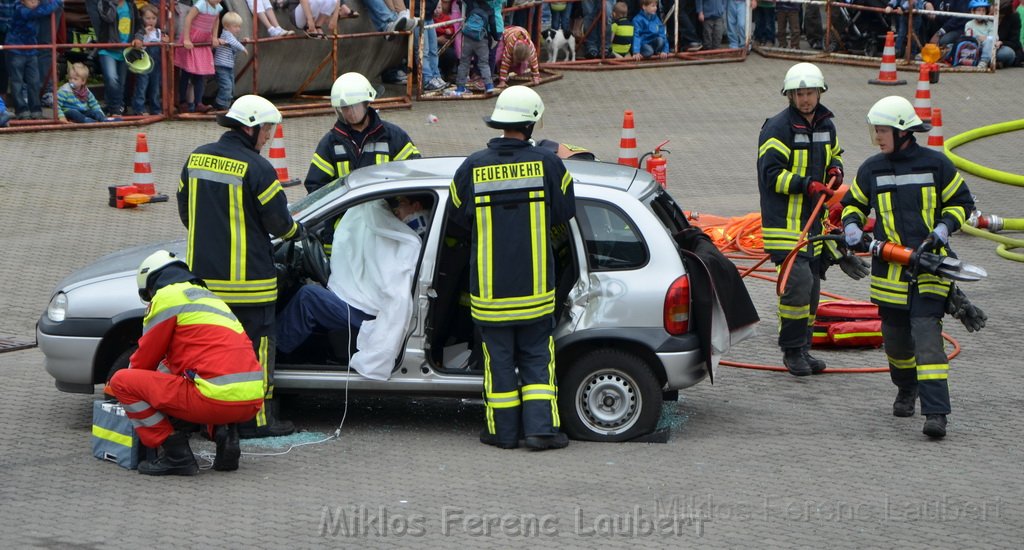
(627, 144)
(887, 72)
(923, 97)
(279, 159)
(935, 139)
(143, 179)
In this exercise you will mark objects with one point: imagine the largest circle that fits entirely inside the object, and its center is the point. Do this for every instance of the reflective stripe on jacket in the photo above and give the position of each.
(230, 201)
(189, 331)
(511, 195)
(910, 191)
(791, 154)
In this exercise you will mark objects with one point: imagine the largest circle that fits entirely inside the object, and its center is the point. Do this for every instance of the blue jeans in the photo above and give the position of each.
(23, 73)
(380, 14)
(225, 86)
(590, 14)
(115, 74)
(74, 115)
(147, 86)
(736, 23)
(901, 33)
(647, 49)
(430, 70)
(314, 307)
(561, 19)
(764, 24)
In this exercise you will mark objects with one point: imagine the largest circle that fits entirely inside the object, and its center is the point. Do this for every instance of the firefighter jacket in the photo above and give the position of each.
(791, 154)
(188, 331)
(910, 190)
(513, 197)
(343, 149)
(230, 201)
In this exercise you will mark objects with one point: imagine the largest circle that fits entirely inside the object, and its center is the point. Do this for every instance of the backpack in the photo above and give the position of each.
(479, 23)
(965, 53)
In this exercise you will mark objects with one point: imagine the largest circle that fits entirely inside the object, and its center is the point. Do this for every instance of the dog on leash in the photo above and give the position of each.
(557, 41)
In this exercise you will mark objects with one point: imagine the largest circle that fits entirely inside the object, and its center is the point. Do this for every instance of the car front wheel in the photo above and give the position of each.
(609, 395)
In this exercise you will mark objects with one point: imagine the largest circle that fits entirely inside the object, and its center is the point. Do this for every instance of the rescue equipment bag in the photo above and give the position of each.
(847, 323)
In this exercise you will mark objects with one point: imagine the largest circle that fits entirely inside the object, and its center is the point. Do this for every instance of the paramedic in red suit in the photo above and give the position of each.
(194, 364)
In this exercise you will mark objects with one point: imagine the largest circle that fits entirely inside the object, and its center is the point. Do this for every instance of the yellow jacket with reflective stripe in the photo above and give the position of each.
(231, 202)
(910, 191)
(791, 154)
(188, 331)
(510, 196)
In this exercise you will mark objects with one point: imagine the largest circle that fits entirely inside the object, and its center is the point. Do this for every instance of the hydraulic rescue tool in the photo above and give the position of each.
(919, 260)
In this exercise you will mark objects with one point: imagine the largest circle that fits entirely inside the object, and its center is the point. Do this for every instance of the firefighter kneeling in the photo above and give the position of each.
(194, 365)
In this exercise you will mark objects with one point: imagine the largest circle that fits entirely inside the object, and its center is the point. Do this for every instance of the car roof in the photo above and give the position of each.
(585, 172)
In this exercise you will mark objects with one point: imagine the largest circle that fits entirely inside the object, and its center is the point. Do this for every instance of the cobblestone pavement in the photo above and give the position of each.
(758, 459)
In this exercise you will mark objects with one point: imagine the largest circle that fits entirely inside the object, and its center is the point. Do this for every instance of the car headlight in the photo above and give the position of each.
(57, 311)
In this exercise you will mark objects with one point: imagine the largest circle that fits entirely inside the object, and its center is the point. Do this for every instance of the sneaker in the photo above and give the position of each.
(459, 91)
(203, 108)
(903, 406)
(411, 23)
(38, 115)
(544, 442)
(488, 438)
(935, 425)
(795, 362)
(47, 99)
(434, 85)
(489, 89)
(23, 116)
(275, 31)
(694, 47)
(983, 65)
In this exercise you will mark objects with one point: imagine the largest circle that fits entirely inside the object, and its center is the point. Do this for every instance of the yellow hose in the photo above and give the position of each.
(1005, 243)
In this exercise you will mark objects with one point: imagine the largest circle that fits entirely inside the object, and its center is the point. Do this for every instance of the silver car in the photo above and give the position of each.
(625, 339)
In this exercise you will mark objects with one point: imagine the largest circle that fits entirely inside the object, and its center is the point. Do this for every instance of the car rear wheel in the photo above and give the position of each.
(120, 363)
(609, 395)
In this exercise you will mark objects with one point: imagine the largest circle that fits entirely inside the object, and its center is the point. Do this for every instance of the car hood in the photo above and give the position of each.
(119, 264)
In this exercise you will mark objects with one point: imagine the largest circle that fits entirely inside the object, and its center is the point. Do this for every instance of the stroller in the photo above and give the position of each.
(858, 31)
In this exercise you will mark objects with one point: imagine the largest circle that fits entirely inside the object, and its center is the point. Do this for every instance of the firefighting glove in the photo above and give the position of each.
(837, 173)
(960, 308)
(854, 235)
(816, 188)
(853, 266)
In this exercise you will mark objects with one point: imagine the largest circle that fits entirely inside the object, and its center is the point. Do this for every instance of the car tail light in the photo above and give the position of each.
(677, 306)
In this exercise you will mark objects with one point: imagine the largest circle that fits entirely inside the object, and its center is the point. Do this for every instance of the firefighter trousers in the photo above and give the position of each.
(913, 346)
(150, 396)
(798, 303)
(522, 404)
(259, 324)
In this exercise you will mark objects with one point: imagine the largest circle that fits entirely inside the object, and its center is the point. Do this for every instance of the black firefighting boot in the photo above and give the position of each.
(935, 425)
(494, 440)
(906, 398)
(795, 362)
(817, 365)
(228, 450)
(543, 442)
(273, 428)
(176, 458)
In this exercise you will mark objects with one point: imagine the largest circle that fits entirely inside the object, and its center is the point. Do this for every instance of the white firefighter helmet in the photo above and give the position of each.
(351, 89)
(152, 264)
(803, 75)
(517, 106)
(252, 110)
(897, 112)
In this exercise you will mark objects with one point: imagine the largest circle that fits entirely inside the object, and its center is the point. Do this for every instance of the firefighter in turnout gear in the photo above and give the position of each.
(798, 150)
(194, 364)
(919, 198)
(359, 138)
(514, 198)
(230, 200)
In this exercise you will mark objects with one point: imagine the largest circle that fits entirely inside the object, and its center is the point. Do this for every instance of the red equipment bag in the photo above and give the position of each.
(847, 323)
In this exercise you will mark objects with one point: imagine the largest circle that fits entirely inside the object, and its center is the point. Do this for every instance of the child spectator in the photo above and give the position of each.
(119, 24)
(518, 49)
(312, 14)
(787, 17)
(478, 30)
(764, 23)
(224, 59)
(984, 30)
(649, 32)
(711, 14)
(901, 7)
(147, 86)
(196, 62)
(75, 101)
(736, 23)
(5, 117)
(622, 30)
(265, 15)
(23, 65)
(1009, 30)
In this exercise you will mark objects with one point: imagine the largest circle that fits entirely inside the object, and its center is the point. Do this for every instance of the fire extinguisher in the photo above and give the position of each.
(657, 165)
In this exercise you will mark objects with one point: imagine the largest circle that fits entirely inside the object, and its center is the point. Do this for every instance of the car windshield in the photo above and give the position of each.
(330, 191)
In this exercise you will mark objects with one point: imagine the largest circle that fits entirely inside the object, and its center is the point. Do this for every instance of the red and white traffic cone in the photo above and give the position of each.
(279, 159)
(627, 143)
(887, 72)
(935, 139)
(923, 97)
(143, 178)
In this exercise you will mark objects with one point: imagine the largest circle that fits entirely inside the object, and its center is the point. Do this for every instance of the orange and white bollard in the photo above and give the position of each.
(627, 143)
(935, 139)
(923, 96)
(279, 159)
(887, 72)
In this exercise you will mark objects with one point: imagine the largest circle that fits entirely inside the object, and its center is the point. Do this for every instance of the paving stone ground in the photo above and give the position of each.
(759, 459)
